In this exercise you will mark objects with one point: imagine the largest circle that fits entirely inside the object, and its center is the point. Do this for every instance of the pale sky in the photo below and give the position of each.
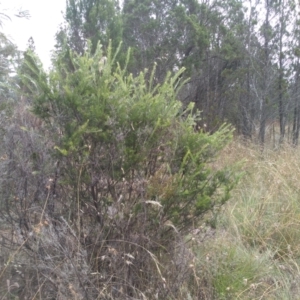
(46, 15)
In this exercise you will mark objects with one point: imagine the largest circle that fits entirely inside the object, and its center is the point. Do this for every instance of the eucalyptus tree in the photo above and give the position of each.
(272, 65)
(264, 81)
(217, 80)
(247, 97)
(286, 17)
(165, 32)
(295, 79)
(10, 57)
(94, 20)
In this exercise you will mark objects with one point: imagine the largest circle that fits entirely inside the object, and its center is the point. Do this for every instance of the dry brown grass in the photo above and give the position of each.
(256, 251)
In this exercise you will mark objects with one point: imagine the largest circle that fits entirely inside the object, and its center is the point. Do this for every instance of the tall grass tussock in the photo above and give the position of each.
(255, 253)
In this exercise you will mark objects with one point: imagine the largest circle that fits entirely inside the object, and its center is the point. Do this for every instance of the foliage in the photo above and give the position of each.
(108, 182)
(243, 69)
(166, 32)
(93, 20)
(115, 178)
(130, 130)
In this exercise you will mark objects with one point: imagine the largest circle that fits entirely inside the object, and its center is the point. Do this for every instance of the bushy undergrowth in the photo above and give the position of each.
(83, 216)
(101, 186)
(111, 205)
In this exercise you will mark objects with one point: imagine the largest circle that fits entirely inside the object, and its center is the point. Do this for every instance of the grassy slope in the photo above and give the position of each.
(255, 254)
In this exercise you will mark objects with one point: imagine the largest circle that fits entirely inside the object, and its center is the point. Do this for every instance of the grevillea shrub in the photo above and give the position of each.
(131, 176)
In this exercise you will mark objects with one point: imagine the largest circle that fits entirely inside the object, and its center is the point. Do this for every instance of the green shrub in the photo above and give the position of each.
(133, 173)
